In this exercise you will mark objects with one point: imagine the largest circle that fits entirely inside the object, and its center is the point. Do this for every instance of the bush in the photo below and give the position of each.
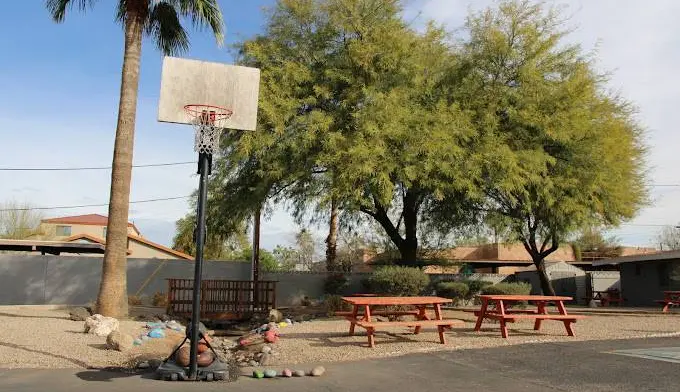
(457, 291)
(159, 299)
(334, 303)
(398, 281)
(335, 284)
(476, 286)
(519, 288)
(134, 300)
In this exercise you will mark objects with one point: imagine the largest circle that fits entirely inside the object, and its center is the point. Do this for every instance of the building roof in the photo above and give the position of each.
(89, 219)
(659, 256)
(51, 247)
(162, 248)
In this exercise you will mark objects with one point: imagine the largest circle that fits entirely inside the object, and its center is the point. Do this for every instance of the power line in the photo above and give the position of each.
(92, 205)
(90, 168)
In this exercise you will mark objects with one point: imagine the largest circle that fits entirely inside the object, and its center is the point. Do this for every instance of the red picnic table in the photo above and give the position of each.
(670, 298)
(363, 309)
(501, 310)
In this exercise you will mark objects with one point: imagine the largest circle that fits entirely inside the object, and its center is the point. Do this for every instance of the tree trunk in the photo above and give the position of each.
(112, 298)
(332, 239)
(409, 248)
(546, 285)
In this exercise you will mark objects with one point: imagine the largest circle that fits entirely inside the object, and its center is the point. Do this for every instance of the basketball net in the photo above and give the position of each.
(208, 122)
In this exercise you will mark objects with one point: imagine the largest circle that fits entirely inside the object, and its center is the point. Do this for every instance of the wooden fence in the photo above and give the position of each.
(222, 299)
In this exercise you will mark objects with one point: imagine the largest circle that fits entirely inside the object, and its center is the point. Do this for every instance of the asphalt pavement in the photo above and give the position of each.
(579, 366)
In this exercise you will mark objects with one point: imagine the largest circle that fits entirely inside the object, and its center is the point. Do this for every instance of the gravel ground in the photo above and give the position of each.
(34, 337)
(327, 340)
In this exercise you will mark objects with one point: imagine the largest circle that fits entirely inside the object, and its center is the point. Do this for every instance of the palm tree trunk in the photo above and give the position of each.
(112, 299)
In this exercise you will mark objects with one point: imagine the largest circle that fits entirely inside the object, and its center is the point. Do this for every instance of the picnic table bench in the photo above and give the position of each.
(607, 297)
(501, 310)
(670, 298)
(363, 310)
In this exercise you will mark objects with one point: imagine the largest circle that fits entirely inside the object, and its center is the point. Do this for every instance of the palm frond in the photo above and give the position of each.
(164, 26)
(203, 13)
(58, 8)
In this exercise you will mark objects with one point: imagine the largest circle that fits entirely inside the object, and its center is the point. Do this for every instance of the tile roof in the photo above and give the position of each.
(89, 219)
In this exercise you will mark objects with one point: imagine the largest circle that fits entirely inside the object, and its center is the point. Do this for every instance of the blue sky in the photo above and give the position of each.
(59, 86)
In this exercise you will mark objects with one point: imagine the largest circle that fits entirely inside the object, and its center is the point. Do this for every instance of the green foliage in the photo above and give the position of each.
(268, 262)
(457, 291)
(218, 246)
(162, 19)
(334, 303)
(475, 287)
(517, 288)
(398, 281)
(335, 284)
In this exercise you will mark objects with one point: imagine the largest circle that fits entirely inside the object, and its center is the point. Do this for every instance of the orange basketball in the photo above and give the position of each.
(205, 359)
(182, 356)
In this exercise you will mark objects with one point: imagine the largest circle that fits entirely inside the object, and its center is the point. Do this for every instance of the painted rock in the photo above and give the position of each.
(288, 321)
(156, 333)
(144, 337)
(283, 324)
(287, 373)
(266, 349)
(258, 374)
(270, 373)
(271, 336)
(317, 371)
(299, 373)
(137, 342)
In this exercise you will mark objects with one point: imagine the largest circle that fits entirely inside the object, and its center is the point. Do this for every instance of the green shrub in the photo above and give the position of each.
(335, 284)
(398, 281)
(476, 286)
(457, 291)
(334, 303)
(519, 288)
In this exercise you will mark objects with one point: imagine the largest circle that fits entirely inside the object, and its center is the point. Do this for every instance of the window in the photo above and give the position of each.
(104, 233)
(63, 231)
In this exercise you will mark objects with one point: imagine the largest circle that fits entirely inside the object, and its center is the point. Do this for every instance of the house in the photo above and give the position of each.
(503, 258)
(645, 277)
(91, 229)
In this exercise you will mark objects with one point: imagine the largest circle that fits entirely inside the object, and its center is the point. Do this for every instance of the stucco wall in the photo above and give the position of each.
(48, 230)
(143, 251)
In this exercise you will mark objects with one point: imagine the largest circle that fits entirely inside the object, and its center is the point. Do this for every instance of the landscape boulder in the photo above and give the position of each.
(275, 316)
(119, 341)
(100, 325)
(79, 314)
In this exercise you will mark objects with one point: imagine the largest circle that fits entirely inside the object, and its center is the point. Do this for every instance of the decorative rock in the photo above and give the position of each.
(79, 314)
(271, 336)
(100, 325)
(299, 373)
(163, 317)
(144, 337)
(253, 363)
(283, 324)
(258, 374)
(270, 373)
(205, 359)
(266, 349)
(266, 360)
(183, 355)
(288, 321)
(119, 341)
(287, 373)
(275, 315)
(317, 371)
(137, 342)
(156, 333)
(143, 365)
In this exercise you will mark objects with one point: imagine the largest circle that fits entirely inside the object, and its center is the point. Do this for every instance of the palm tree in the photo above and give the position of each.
(160, 20)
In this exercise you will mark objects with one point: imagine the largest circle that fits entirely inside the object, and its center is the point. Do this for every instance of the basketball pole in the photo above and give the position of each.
(204, 163)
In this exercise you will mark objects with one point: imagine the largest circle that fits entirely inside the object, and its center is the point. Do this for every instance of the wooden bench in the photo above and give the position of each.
(440, 324)
(380, 313)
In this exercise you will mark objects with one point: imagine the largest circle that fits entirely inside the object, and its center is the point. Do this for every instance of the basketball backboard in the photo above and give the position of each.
(186, 82)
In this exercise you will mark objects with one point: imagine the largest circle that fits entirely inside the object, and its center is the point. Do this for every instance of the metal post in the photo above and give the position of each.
(256, 257)
(204, 161)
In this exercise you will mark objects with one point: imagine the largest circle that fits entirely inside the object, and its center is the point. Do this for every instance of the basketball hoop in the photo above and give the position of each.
(208, 121)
